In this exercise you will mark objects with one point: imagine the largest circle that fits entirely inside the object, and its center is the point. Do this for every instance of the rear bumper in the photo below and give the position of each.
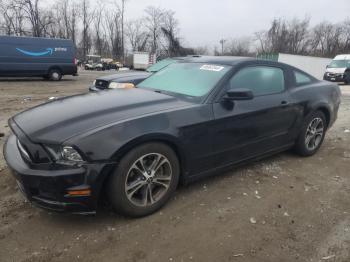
(69, 69)
(48, 188)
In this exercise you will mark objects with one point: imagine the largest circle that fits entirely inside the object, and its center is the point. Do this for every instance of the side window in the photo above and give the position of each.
(301, 79)
(262, 80)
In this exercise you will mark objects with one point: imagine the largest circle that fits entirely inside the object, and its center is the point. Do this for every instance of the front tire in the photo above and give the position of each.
(144, 180)
(312, 134)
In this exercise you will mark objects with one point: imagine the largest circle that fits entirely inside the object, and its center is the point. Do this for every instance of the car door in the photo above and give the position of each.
(249, 128)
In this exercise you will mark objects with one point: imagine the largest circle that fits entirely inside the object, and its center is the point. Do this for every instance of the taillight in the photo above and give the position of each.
(75, 61)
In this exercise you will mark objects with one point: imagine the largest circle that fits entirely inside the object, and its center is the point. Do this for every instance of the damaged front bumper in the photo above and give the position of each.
(48, 187)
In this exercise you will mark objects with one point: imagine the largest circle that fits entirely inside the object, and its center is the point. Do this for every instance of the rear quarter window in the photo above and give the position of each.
(302, 79)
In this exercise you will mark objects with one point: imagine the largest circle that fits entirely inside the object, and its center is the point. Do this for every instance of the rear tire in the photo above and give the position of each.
(144, 180)
(312, 134)
(55, 75)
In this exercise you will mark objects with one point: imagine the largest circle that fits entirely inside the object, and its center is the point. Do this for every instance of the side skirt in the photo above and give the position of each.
(216, 171)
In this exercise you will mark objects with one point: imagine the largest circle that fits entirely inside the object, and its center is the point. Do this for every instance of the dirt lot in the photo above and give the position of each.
(283, 208)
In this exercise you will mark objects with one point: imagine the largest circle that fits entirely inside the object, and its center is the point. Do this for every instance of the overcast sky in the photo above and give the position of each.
(205, 22)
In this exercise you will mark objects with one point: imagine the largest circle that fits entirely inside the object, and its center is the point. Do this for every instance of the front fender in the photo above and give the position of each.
(168, 139)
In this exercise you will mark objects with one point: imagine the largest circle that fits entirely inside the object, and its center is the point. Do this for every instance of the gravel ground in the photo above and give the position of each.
(283, 208)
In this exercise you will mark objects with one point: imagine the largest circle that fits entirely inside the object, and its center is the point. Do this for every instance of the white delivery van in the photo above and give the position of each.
(339, 69)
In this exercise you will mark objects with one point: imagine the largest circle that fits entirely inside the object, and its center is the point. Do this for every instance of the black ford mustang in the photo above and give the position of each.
(189, 120)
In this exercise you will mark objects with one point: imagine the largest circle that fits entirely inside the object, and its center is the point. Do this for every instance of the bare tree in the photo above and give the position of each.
(39, 19)
(298, 36)
(153, 20)
(238, 47)
(98, 19)
(106, 31)
(136, 35)
(346, 36)
(65, 15)
(13, 18)
(327, 39)
(285, 37)
(169, 27)
(113, 29)
(66, 19)
(87, 17)
(122, 28)
(263, 45)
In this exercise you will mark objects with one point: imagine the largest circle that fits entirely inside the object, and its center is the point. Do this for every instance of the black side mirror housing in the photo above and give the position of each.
(239, 94)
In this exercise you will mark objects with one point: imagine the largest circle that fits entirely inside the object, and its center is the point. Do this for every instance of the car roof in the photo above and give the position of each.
(342, 57)
(237, 60)
(232, 61)
(223, 60)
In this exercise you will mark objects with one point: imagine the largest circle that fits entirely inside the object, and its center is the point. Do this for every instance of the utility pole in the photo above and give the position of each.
(222, 42)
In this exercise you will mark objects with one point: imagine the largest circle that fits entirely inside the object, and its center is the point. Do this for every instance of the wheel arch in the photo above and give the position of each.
(322, 106)
(326, 111)
(54, 67)
(166, 139)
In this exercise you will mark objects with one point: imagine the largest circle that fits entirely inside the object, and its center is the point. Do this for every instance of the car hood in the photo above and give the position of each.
(336, 70)
(59, 120)
(124, 76)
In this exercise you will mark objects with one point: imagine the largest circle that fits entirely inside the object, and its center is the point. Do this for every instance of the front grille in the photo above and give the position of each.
(334, 75)
(103, 84)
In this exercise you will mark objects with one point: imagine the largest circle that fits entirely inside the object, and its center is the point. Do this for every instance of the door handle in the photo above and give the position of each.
(284, 103)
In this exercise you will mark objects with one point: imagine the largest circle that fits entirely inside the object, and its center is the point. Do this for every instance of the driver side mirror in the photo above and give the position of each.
(239, 94)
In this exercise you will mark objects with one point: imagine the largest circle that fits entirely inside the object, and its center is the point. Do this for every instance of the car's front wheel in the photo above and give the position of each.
(312, 134)
(144, 180)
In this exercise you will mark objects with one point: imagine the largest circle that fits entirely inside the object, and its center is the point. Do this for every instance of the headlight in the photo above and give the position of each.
(94, 83)
(65, 154)
(70, 154)
(114, 85)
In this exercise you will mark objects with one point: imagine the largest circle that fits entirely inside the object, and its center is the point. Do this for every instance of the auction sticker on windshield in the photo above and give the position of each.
(212, 68)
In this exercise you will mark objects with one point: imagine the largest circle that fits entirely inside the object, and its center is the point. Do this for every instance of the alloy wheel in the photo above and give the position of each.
(314, 134)
(148, 179)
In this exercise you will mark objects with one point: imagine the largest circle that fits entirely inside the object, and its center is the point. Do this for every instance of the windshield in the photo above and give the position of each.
(189, 79)
(339, 64)
(160, 65)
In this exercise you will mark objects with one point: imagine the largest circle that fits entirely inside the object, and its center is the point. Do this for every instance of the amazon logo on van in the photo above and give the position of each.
(48, 51)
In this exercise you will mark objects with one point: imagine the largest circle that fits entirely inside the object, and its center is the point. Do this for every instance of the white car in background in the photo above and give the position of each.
(339, 69)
